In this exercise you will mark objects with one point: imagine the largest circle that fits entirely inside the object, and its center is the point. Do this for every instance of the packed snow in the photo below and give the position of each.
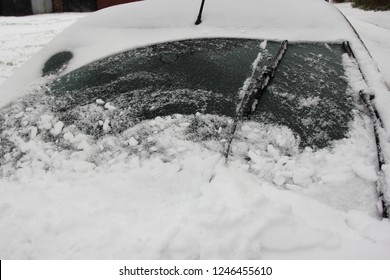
(162, 189)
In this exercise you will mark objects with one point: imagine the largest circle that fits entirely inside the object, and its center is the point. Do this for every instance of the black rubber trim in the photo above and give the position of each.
(348, 49)
(367, 99)
(377, 124)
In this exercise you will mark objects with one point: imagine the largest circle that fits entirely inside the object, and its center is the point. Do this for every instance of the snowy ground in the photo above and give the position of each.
(158, 190)
(374, 29)
(22, 37)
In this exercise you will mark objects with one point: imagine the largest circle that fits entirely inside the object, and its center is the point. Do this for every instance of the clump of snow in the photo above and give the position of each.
(263, 44)
(133, 142)
(100, 101)
(40, 132)
(106, 125)
(57, 128)
(108, 106)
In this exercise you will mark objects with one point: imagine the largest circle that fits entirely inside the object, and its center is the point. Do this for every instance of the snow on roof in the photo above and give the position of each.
(137, 24)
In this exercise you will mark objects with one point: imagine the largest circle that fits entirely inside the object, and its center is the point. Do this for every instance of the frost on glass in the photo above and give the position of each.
(177, 77)
(309, 95)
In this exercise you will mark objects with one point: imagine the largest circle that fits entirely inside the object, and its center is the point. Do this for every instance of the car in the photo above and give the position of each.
(198, 130)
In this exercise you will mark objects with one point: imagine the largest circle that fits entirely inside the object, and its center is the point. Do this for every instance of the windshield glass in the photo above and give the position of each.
(307, 94)
(177, 77)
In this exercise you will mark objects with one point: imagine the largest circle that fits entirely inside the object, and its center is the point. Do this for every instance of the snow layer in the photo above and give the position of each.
(161, 189)
(374, 29)
(172, 196)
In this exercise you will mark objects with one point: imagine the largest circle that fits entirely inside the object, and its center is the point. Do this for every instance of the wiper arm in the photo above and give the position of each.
(199, 19)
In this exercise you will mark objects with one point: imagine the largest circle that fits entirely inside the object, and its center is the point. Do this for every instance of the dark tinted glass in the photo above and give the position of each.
(177, 77)
(308, 94)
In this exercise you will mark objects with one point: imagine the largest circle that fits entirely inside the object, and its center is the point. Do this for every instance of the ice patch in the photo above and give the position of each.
(308, 102)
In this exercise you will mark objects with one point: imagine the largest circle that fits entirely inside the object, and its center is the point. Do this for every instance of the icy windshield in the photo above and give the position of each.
(307, 94)
(177, 77)
(177, 101)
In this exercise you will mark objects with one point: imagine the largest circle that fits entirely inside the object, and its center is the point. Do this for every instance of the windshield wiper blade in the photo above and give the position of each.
(248, 104)
(256, 90)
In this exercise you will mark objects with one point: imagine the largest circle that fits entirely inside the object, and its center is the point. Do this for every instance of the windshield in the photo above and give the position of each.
(210, 76)
(289, 113)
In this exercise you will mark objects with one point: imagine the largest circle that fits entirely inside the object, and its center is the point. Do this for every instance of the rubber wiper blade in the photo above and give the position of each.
(248, 104)
(257, 88)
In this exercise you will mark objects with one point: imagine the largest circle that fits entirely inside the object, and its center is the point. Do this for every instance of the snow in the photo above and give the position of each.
(57, 128)
(100, 101)
(22, 37)
(133, 142)
(374, 29)
(263, 44)
(172, 196)
(161, 189)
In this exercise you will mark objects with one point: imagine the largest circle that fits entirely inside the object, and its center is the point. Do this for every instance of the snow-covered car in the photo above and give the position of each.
(258, 133)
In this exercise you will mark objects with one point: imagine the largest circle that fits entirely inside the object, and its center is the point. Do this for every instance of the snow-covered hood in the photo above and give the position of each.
(148, 22)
